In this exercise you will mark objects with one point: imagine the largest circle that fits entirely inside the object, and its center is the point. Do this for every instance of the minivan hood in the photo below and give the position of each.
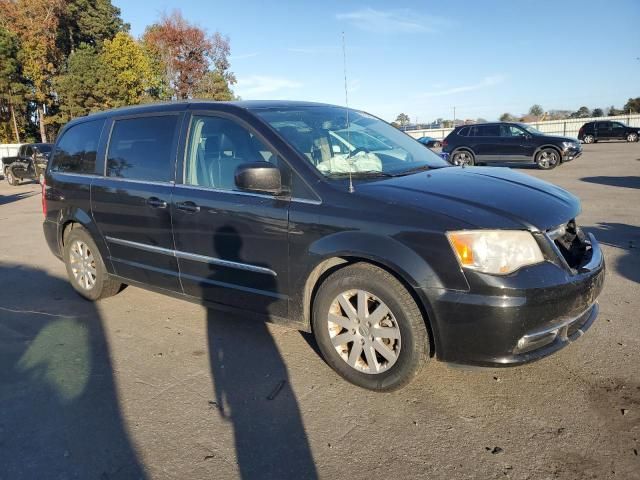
(481, 197)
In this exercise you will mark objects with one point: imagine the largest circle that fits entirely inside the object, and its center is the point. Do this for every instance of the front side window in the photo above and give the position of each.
(336, 143)
(141, 148)
(76, 150)
(511, 131)
(216, 147)
(617, 125)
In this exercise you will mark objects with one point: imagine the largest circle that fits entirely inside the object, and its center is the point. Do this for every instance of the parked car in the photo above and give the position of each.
(30, 162)
(486, 143)
(430, 142)
(388, 260)
(592, 132)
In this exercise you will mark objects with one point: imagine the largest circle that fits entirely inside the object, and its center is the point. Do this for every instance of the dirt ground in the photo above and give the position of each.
(145, 386)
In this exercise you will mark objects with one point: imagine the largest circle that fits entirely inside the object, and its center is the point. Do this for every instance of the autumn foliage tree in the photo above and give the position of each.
(60, 59)
(191, 61)
(35, 23)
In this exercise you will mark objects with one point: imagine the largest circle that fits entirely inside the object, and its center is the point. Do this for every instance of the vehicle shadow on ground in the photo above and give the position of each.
(60, 416)
(626, 182)
(627, 239)
(252, 388)
(14, 197)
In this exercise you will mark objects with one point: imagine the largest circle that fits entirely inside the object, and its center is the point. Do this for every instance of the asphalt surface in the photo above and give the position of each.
(145, 386)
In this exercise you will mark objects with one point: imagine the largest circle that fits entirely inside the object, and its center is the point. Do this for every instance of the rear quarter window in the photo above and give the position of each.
(141, 148)
(76, 151)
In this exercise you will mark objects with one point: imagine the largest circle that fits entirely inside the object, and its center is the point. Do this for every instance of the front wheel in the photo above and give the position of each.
(632, 137)
(547, 159)
(463, 158)
(85, 267)
(369, 328)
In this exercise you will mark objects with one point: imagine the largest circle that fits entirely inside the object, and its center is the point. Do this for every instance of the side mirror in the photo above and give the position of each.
(263, 177)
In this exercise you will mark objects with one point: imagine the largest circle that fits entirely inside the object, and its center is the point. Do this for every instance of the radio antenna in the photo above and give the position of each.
(346, 101)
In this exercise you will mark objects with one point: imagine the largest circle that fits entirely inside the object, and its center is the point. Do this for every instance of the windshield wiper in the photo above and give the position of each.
(421, 168)
(363, 173)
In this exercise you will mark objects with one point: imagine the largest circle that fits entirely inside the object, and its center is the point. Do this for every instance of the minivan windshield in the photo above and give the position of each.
(358, 143)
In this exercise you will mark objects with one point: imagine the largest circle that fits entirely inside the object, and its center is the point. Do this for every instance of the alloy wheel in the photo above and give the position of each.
(364, 331)
(547, 159)
(632, 137)
(83, 265)
(462, 158)
(588, 139)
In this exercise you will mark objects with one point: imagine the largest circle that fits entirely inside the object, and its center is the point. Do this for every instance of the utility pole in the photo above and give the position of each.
(454, 117)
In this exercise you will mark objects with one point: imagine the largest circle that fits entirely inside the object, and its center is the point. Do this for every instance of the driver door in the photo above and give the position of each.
(232, 246)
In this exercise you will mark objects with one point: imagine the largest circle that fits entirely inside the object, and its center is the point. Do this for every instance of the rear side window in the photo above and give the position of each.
(488, 131)
(76, 150)
(464, 132)
(141, 148)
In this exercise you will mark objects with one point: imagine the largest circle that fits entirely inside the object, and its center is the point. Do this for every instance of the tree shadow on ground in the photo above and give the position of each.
(625, 182)
(59, 415)
(627, 239)
(252, 386)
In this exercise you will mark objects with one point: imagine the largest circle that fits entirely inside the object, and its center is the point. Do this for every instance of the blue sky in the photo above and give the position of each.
(424, 58)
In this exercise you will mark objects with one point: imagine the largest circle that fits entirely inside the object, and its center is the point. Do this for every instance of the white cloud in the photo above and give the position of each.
(256, 85)
(243, 56)
(485, 83)
(393, 21)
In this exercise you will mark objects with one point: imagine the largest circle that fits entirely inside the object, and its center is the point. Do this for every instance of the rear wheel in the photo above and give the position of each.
(632, 137)
(11, 180)
(85, 267)
(369, 328)
(588, 139)
(462, 158)
(547, 159)
(437, 144)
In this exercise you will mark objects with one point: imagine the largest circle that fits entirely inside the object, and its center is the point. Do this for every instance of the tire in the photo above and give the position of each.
(463, 158)
(589, 139)
(632, 137)
(437, 144)
(406, 349)
(547, 159)
(11, 180)
(96, 282)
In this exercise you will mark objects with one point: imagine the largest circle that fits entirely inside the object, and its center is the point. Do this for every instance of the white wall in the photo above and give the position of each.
(568, 127)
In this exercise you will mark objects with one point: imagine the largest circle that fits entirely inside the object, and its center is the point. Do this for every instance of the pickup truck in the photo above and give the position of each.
(31, 162)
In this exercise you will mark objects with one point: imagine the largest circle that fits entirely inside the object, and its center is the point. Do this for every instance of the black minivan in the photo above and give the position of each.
(328, 220)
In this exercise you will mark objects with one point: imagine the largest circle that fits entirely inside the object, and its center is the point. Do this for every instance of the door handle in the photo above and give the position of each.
(155, 202)
(188, 207)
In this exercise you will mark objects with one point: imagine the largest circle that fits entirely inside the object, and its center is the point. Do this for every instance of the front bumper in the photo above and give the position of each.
(516, 319)
(569, 154)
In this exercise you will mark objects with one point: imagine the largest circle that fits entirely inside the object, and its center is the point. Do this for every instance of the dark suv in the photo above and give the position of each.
(508, 142)
(592, 132)
(289, 211)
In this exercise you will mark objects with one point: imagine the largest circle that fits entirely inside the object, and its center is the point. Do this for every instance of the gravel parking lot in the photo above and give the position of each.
(145, 386)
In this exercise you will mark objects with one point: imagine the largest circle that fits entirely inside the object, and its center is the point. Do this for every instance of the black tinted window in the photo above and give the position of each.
(140, 148)
(488, 131)
(464, 132)
(76, 150)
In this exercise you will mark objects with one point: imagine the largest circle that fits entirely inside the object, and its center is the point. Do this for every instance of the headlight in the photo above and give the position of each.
(498, 252)
(569, 144)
